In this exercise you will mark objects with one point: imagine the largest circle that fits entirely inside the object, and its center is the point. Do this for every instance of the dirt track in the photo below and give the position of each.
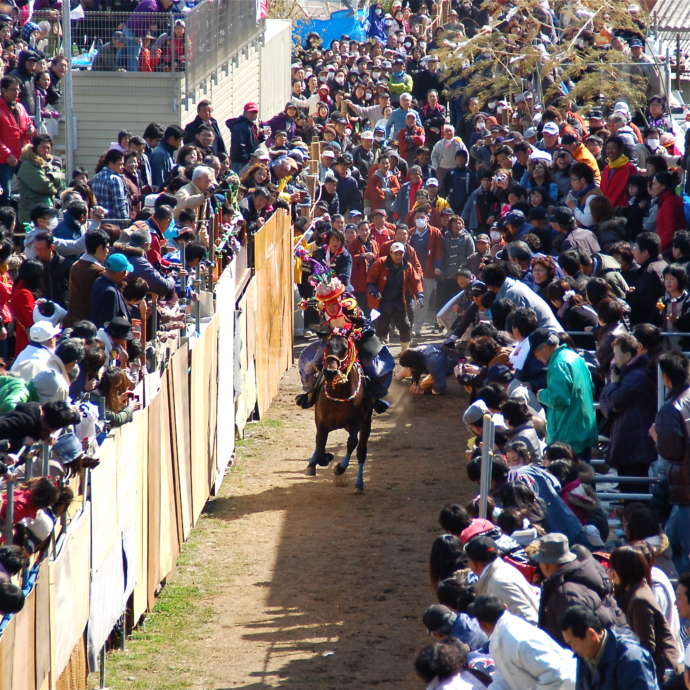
(321, 588)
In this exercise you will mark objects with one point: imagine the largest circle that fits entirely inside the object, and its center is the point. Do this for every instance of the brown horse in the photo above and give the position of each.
(342, 403)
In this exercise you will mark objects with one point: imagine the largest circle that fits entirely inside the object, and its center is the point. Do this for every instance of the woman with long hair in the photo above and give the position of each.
(631, 576)
(27, 288)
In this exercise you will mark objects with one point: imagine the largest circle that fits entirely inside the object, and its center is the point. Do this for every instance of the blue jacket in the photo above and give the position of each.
(436, 364)
(157, 282)
(244, 138)
(162, 162)
(107, 302)
(458, 185)
(397, 121)
(624, 665)
(68, 229)
(467, 630)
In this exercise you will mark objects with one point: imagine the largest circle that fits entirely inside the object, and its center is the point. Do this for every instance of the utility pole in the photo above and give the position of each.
(68, 107)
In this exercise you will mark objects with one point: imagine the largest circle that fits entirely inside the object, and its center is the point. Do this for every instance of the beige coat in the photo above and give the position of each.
(509, 586)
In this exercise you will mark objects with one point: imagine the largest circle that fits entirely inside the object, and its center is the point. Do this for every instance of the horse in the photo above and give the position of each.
(342, 403)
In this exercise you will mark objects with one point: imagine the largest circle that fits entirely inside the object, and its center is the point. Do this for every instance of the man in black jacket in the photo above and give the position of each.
(107, 301)
(244, 136)
(204, 112)
(35, 421)
(55, 269)
(670, 433)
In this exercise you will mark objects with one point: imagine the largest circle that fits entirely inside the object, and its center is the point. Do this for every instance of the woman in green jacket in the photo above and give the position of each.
(38, 181)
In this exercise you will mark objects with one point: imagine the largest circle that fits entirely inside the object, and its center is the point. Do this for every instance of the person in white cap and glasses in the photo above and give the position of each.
(393, 284)
(37, 355)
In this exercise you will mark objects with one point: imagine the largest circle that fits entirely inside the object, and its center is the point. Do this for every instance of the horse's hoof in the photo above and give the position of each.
(326, 460)
(310, 471)
(359, 490)
(339, 469)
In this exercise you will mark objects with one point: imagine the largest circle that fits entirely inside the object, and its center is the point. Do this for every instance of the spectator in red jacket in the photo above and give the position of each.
(670, 216)
(410, 138)
(26, 289)
(364, 250)
(616, 174)
(393, 283)
(382, 185)
(16, 130)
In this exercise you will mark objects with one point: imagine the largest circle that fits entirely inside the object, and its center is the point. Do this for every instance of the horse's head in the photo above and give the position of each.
(335, 358)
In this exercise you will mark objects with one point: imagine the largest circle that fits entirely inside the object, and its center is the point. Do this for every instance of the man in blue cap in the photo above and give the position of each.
(107, 301)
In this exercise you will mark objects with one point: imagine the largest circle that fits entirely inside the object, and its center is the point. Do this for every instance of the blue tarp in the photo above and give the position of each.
(342, 22)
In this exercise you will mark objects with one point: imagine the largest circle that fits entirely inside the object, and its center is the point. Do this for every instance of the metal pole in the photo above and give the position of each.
(45, 459)
(668, 75)
(677, 62)
(487, 461)
(68, 106)
(660, 388)
(9, 516)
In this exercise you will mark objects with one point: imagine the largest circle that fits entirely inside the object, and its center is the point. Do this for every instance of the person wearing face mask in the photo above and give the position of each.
(427, 242)
(375, 25)
(38, 181)
(651, 147)
(400, 81)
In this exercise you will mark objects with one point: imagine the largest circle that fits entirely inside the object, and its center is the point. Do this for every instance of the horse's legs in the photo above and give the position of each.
(362, 451)
(351, 445)
(319, 453)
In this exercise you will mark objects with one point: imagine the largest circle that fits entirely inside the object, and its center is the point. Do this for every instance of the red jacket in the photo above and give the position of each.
(380, 272)
(669, 218)
(359, 263)
(373, 192)
(386, 234)
(22, 305)
(14, 136)
(417, 138)
(410, 255)
(614, 183)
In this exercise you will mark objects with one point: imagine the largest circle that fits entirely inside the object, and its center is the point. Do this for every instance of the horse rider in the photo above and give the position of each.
(339, 311)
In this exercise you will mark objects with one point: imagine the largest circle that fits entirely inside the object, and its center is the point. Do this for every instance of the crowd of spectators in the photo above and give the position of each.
(549, 242)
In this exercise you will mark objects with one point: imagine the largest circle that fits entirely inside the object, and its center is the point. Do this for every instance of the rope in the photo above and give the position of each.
(358, 370)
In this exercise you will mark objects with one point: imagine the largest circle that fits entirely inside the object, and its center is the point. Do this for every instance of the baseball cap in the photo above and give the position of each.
(119, 327)
(542, 336)
(515, 217)
(68, 448)
(368, 134)
(636, 43)
(499, 373)
(550, 128)
(251, 107)
(432, 182)
(481, 549)
(328, 153)
(474, 413)
(482, 237)
(397, 247)
(42, 331)
(118, 263)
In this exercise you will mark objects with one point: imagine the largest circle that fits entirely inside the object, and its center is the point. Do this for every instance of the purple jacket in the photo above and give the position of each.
(139, 23)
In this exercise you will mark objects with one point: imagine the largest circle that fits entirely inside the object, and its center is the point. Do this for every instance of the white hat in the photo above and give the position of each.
(432, 182)
(397, 247)
(42, 331)
(539, 155)
(621, 107)
(367, 134)
(328, 153)
(42, 525)
(551, 128)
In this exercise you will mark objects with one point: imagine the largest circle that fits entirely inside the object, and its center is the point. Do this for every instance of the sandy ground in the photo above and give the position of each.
(321, 588)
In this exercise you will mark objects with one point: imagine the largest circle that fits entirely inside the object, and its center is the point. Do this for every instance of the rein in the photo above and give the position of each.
(346, 364)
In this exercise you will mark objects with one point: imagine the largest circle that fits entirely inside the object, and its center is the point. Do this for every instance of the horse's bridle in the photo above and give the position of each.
(345, 366)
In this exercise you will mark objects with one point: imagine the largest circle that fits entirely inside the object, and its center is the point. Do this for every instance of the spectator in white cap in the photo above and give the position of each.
(444, 150)
(36, 356)
(550, 140)
(326, 164)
